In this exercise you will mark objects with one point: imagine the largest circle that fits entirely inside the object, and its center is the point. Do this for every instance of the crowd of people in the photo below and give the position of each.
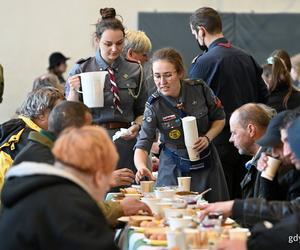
(58, 159)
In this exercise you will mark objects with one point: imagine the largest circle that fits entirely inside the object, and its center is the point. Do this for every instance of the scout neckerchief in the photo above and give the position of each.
(114, 89)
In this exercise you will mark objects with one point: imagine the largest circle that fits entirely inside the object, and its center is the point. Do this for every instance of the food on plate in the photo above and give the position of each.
(129, 190)
(148, 224)
(158, 236)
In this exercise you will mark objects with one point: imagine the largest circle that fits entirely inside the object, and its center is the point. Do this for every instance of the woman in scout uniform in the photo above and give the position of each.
(174, 99)
(124, 95)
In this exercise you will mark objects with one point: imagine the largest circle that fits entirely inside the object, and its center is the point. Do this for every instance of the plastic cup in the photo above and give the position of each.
(270, 171)
(184, 183)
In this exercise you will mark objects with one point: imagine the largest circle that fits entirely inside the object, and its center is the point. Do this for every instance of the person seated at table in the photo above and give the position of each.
(286, 182)
(175, 99)
(285, 234)
(247, 124)
(32, 116)
(55, 206)
(75, 114)
(250, 211)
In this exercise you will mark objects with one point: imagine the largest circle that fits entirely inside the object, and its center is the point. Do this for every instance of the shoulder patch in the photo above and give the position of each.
(152, 98)
(82, 60)
(193, 81)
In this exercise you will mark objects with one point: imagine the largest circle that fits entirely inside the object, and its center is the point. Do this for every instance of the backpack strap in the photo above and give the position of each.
(12, 140)
(5, 159)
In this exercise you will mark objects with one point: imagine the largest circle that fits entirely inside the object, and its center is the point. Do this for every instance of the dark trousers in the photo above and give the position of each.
(234, 167)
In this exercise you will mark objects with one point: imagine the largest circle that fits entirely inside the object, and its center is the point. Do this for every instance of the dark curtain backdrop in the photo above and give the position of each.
(258, 34)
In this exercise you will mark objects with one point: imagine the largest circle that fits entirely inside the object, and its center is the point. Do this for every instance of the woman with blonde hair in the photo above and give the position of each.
(54, 206)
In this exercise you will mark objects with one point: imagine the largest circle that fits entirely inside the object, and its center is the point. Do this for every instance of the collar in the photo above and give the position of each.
(248, 165)
(35, 168)
(43, 137)
(217, 41)
(51, 136)
(30, 123)
(103, 65)
(174, 101)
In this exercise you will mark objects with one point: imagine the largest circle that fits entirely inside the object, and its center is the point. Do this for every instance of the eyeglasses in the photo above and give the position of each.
(166, 76)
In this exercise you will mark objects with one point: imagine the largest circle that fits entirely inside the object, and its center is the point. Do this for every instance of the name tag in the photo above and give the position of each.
(168, 118)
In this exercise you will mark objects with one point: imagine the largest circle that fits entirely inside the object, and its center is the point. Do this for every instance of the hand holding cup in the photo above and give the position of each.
(270, 172)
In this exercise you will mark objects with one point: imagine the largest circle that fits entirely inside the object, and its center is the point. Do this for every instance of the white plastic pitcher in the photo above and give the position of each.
(92, 84)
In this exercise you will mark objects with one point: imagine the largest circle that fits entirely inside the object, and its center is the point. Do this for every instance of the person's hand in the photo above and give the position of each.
(236, 244)
(142, 172)
(155, 147)
(262, 163)
(122, 177)
(134, 131)
(154, 163)
(74, 82)
(132, 206)
(224, 206)
(201, 144)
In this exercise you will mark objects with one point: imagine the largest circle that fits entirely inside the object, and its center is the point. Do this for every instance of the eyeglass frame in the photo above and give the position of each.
(166, 76)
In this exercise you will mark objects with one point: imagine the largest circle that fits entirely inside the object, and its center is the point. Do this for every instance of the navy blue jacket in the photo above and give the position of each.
(232, 74)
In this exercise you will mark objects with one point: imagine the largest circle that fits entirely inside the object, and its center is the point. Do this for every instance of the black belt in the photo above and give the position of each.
(174, 146)
(115, 125)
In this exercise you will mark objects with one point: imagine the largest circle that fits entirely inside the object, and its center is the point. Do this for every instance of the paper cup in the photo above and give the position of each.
(270, 171)
(238, 233)
(92, 84)
(176, 239)
(147, 186)
(184, 183)
(190, 131)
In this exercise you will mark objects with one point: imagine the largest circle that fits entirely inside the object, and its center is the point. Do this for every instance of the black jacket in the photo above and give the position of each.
(250, 184)
(251, 211)
(276, 99)
(285, 187)
(50, 212)
(282, 236)
(38, 148)
(10, 128)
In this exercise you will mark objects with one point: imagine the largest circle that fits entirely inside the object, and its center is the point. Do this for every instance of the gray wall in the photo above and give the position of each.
(258, 34)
